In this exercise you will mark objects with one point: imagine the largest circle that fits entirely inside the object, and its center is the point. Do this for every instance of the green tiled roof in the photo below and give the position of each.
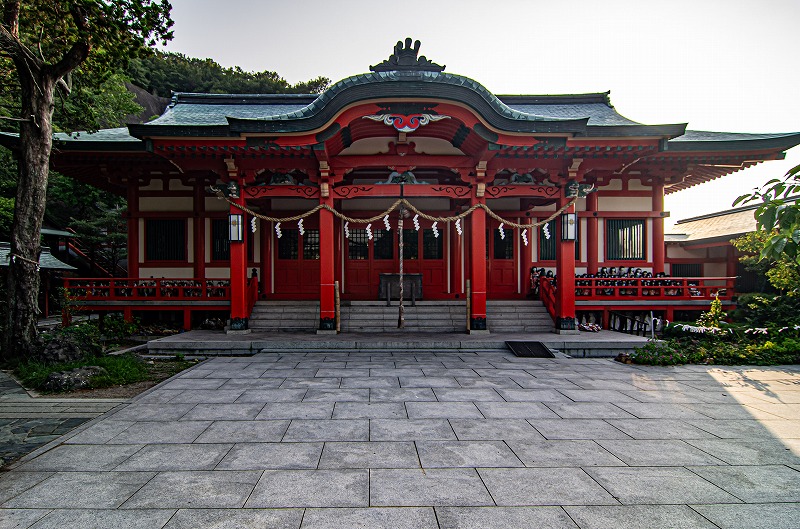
(46, 259)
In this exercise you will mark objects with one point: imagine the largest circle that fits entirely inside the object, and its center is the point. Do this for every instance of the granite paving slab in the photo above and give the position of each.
(467, 440)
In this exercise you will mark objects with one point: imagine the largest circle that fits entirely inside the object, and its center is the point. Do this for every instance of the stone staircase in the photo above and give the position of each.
(426, 317)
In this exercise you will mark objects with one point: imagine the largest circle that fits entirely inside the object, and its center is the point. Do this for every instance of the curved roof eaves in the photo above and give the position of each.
(397, 84)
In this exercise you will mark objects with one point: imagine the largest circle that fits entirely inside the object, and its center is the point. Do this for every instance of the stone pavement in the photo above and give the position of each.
(27, 423)
(428, 440)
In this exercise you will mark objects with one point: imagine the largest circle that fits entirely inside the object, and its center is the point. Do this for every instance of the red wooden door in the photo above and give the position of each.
(502, 263)
(366, 259)
(297, 264)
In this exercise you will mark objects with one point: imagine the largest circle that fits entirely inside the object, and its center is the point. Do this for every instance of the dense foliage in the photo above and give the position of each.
(163, 73)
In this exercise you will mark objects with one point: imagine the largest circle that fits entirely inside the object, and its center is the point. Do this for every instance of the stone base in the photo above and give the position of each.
(242, 331)
(326, 331)
(478, 331)
(566, 331)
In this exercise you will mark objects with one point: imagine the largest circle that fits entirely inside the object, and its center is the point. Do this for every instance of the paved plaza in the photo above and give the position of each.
(449, 440)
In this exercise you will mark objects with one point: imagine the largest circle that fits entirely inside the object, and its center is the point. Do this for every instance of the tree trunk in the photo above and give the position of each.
(36, 142)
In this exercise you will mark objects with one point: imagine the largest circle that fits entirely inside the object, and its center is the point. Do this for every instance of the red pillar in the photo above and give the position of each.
(565, 271)
(266, 257)
(238, 270)
(327, 309)
(477, 256)
(133, 229)
(199, 230)
(591, 233)
(730, 261)
(658, 229)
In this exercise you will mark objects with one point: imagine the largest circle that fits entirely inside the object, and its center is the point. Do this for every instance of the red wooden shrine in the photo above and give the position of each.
(405, 130)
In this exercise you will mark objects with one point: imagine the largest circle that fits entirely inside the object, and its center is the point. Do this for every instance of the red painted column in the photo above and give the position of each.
(565, 271)
(592, 233)
(199, 230)
(456, 277)
(658, 229)
(266, 257)
(133, 229)
(327, 309)
(238, 269)
(477, 257)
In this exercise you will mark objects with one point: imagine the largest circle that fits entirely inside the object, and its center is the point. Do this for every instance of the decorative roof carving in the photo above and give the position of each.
(405, 58)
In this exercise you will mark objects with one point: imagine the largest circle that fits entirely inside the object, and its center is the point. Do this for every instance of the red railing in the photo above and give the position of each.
(252, 294)
(148, 289)
(547, 293)
(654, 289)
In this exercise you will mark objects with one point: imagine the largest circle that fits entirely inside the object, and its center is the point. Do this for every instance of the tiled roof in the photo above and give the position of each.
(724, 225)
(46, 259)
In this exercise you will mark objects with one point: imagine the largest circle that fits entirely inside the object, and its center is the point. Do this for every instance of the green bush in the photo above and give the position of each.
(662, 353)
(122, 369)
(765, 310)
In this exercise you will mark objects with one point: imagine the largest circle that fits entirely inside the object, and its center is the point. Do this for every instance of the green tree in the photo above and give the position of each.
(43, 43)
(783, 274)
(778, 216)
(163, 73)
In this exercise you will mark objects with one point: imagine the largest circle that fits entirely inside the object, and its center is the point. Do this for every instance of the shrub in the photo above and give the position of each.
(660, 353)
(123, 369)
(714, 316)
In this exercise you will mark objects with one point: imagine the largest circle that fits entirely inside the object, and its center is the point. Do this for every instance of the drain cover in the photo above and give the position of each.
(530, 349)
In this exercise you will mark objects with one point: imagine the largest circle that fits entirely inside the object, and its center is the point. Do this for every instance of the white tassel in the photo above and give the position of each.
(369, 231)
(416, 222)
(546, 231)
(525, 237)
(502, 233)
(435, 230)
(278, 230)
(458, 227)
(386, 223)
(300, 227)
(253, 224)
(347, 230)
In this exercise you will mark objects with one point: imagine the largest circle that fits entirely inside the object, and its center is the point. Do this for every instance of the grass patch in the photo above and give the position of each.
(121, 370)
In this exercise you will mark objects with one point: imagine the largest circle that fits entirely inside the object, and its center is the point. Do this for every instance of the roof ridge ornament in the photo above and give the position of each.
(405, 58)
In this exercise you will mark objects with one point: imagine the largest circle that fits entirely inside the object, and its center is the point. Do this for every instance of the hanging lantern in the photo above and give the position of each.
(235, 228)
(569, 227)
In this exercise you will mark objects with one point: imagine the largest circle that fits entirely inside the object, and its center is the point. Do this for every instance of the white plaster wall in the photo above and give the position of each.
(624, 204)
(614, 185)
(155, 185)
(164, 272)
(176, 185)
(166, 204)
(679, 252)
(503, 204)
(636, 185)
(293, 204)
(216, 204)
(714, 269)
(219, 273)
(190, 241)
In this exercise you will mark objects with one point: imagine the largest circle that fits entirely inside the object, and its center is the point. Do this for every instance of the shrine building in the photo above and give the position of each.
(236, 201)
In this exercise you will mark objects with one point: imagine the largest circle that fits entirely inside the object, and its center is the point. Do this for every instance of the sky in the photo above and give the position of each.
(721, 65)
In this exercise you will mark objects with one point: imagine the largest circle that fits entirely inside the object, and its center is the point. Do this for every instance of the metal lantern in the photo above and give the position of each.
(236, 227)
(569, 226)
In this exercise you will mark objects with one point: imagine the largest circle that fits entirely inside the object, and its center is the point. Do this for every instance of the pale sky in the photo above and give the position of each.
(722, 65)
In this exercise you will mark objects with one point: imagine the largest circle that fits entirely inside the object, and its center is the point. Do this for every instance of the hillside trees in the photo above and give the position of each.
(43, 44)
